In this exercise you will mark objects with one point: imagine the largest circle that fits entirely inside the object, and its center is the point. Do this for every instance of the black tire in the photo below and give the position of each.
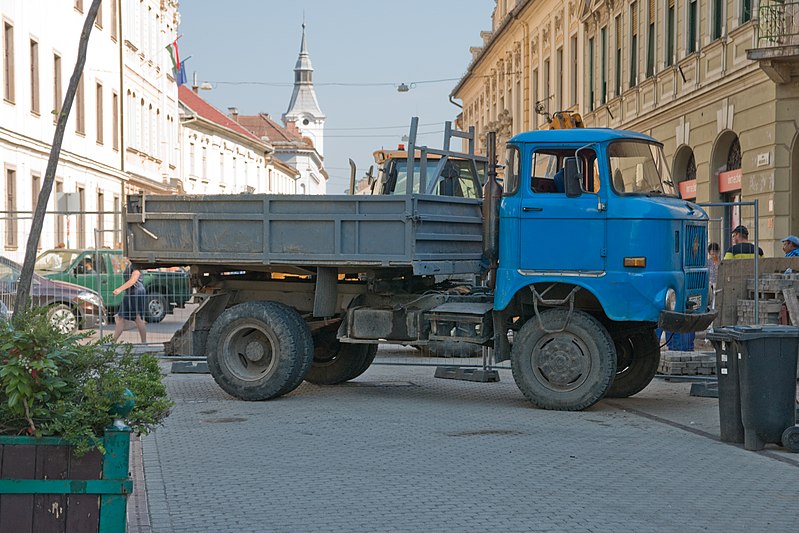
(257, 349)
(335, 362)
(62, 318)
(637, 360)
(790, 439)
(157, 307)
(451, 349)
(303, 363)
(569, 370)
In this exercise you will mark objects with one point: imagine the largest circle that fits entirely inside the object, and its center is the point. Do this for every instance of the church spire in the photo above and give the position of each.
(303, 99)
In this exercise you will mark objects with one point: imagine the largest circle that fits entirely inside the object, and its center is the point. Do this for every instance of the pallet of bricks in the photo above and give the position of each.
(778, 302)
(735, 293)
(687, 363)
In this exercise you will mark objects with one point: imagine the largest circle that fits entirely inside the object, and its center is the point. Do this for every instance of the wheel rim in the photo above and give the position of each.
(624, 355)
(155, 307)
(63, 320)
(561, 362)
(249, 352)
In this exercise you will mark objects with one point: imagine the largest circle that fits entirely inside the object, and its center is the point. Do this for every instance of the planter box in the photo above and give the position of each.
(45, 488)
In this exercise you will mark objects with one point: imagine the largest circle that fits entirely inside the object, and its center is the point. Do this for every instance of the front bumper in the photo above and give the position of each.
(685, 322)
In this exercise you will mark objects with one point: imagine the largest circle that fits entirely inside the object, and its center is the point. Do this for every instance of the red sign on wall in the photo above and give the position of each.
(688, 189)
(730, 180)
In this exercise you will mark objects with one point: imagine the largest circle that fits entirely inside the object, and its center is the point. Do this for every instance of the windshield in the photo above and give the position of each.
(55, 261)
(639, 168)
(458, 178)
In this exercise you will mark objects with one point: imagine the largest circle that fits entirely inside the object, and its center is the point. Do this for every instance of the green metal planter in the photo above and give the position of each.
(44, 487)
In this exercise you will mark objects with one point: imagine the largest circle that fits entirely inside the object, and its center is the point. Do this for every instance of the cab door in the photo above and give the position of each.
(561, 234)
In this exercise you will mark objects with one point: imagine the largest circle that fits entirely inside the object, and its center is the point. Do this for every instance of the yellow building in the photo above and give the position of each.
(714, 80)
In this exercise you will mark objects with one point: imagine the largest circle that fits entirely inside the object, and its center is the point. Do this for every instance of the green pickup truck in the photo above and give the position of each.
(101, 270)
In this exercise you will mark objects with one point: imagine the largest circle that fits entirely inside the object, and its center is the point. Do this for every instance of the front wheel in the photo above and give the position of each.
(62, 318)
(259, 350)
(638, 357)
(563, 360)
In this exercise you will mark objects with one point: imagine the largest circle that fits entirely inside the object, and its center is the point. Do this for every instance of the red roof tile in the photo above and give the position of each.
(205, 110)
(262, 125)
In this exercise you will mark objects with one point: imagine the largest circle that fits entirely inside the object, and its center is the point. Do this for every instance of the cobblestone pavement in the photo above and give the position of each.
(398, 450)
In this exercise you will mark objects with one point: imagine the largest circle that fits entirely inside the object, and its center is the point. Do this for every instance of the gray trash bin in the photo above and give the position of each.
(731, 428)
(766, 361)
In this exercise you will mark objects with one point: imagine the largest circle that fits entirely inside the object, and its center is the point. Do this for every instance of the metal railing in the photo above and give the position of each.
(777, 24)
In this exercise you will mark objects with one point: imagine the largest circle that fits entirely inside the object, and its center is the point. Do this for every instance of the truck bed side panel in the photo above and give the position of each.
(431, 234)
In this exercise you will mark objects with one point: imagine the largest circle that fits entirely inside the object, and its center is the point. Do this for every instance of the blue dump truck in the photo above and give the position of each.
(581, 245)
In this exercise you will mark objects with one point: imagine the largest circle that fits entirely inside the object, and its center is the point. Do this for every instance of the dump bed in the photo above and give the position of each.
(429, 234)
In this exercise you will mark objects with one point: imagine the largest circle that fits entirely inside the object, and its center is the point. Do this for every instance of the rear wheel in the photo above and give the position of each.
(62, 318)
(335, 362)
(566, 370)
(157, 307)
(637, 360)
(256, 350)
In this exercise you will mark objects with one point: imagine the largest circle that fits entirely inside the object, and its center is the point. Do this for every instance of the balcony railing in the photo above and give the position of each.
(778, 24)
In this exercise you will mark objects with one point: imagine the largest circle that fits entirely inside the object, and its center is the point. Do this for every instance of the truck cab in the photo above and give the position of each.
(589, 223)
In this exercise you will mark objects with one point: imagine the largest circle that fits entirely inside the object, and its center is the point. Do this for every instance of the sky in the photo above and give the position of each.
(371, 45)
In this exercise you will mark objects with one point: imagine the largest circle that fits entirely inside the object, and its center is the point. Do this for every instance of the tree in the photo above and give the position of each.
(24, 286)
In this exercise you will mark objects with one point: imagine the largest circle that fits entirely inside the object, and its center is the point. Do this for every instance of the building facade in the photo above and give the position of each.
(709, 78)
(113, 143)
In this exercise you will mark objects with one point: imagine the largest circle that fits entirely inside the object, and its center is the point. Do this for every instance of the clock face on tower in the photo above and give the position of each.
(305, 122)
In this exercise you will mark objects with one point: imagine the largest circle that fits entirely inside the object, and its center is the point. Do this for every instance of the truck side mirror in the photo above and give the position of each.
(572, 179)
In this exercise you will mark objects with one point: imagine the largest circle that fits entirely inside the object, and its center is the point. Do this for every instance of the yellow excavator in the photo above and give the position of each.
(560, 120)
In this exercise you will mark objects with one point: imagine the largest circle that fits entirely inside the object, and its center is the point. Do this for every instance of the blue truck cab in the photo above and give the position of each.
(595, 250)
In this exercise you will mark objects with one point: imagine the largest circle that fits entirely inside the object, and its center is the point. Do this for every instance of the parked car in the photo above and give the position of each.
(69, 306)
(101, 270)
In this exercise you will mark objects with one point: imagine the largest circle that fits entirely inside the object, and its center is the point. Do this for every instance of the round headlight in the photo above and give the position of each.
(671, 300)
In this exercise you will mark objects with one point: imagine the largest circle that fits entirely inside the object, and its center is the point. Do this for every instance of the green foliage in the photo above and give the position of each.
(65, 385)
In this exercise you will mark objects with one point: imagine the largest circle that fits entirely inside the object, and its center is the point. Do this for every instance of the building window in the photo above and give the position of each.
(591, 74)
(59, 218)
(115, 121)
(117, 222)
(191, 160)
(34, 77)
(11, 208)
(559, 79)
(574, 71)
(205, 163)
(36, 188)
(57, 98)
(617, 79)
(536, 98)
(100, 240)
(746, 11)
(98, 20)
(690, 45)
(113, 20)
(633, 44)
(80, 112)
(603, 65)
(99, 113)
(80, 226)
(670, 31)
(8, 62)
(650, 41)
(717, 18)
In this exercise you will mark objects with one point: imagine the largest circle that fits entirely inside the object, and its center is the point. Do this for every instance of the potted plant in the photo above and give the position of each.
(63, 444)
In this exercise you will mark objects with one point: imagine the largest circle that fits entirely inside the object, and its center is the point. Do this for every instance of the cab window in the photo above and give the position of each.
(547, 170)
(512, 171)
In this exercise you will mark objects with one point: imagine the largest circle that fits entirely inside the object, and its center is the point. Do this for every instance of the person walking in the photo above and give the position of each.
(741, 247)
(133, 303)
(790, 245)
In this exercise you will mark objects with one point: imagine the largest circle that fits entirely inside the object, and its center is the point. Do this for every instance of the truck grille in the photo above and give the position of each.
(695, 247)
(696, 280)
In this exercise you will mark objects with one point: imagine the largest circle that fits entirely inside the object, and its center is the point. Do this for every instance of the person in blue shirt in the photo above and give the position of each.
(790, 245)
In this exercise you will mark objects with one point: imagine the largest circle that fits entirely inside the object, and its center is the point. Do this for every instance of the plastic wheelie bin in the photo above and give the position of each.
(731, 428)
(766, 361)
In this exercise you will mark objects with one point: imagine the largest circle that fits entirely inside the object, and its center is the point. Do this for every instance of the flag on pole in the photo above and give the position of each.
(177, 67)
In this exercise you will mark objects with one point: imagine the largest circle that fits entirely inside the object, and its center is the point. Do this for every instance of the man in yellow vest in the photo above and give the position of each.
(741, 247)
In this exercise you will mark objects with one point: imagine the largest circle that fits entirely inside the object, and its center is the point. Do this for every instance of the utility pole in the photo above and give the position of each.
(24, 285)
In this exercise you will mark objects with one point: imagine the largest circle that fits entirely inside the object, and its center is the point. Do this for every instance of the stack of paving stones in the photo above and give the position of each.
(776, 291)
(687, 363)
(769, 311)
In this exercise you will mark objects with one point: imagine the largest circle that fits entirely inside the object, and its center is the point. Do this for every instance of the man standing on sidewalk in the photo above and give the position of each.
(741, 247)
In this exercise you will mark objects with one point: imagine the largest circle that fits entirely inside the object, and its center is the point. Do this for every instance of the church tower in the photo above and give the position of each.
(304, 109)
